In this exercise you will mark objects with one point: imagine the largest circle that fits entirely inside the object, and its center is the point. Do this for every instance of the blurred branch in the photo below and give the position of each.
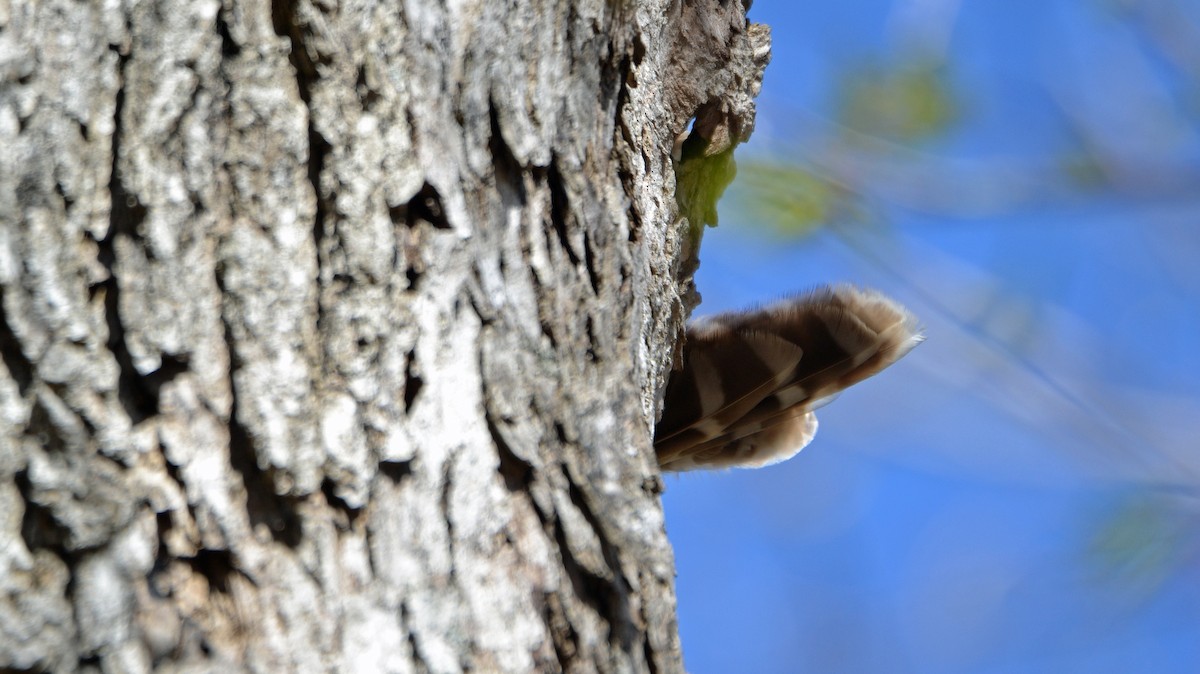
(1167, 28)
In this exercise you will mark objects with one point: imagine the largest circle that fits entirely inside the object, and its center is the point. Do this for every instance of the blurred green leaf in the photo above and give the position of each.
(1084, 170)
(788, 198)
(907, 99)
(1141, 543)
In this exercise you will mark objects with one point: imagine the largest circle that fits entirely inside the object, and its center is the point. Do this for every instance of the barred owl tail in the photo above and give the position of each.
(750, 380)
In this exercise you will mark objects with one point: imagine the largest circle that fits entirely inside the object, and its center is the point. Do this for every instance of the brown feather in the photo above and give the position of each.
(750, 380)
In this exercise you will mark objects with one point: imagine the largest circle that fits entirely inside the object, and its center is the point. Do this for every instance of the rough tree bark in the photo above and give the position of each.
(332, 333)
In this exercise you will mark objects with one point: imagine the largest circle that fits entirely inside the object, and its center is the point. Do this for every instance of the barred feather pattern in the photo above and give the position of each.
(750, 380)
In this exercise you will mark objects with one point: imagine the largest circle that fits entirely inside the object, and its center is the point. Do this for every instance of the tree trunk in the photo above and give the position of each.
(332, 334)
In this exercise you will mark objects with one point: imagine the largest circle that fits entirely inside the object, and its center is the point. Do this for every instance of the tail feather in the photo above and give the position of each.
(750, 380)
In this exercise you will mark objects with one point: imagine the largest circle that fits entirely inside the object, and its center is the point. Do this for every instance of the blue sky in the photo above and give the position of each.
(1020, 494)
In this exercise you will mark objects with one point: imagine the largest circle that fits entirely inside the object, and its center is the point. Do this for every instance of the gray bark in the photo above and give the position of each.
(332, 334)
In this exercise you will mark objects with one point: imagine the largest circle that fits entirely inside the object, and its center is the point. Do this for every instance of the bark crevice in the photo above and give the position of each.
(506, 169)
(40, 530)
(18, 364)
(560, 212)
(612, 593)
(126, 218)
(426, 207)
(264, 505)
(396, 471)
